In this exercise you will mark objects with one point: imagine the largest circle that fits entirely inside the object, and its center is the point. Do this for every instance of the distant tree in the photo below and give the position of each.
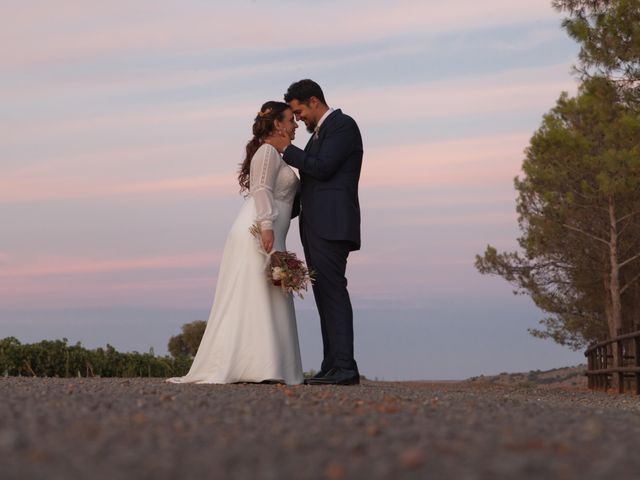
(579, 212)
(186, 343)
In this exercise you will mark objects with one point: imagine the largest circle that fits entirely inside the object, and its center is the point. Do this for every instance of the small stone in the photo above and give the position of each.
(412, 458)
(373, 430)
(592, 429)
(334, 471)
(9, 439)
(138, 418)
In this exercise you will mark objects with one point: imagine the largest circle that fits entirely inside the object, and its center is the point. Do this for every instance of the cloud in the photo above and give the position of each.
(87, 83)
(531, 39)
(505, 92)
(16, 190)
(468, 219)
(466, 161)
(49, 281)
(56, 265)
(463, 161)
(77, 292)
(91, 29)
(508, 93)
(157, 116)
(381, 198)
(515, 90)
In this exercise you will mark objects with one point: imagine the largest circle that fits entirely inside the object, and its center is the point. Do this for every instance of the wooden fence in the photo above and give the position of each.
(616, 360)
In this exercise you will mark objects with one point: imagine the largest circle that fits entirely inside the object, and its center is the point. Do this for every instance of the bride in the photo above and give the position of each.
(251, 334)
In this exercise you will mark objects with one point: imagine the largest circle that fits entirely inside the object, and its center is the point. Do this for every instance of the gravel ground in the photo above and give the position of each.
(144, 428)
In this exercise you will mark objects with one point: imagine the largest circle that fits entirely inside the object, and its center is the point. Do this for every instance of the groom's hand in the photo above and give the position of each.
(280, 140)
(267, 240)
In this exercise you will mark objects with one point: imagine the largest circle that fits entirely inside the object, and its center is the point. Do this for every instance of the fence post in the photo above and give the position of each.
(636, 362)
(590, 367)
(619, 362)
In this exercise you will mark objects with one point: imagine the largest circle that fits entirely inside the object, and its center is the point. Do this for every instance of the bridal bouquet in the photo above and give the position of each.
(286, 270)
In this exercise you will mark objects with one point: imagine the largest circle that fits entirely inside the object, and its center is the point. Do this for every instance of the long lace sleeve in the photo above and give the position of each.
(262, 178)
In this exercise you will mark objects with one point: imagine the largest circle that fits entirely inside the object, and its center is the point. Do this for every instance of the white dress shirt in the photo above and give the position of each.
(322, 119)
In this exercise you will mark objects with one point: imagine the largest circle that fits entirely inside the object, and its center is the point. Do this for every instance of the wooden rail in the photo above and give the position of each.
(619, 359)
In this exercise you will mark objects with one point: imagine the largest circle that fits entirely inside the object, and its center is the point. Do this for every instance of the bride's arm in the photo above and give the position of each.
(263, 172)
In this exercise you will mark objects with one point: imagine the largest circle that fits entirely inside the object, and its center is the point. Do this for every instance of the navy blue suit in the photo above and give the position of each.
(329, 169)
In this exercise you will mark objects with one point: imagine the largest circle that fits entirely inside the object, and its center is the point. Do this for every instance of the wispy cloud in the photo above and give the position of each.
(531, 39)
(469, 219)
(416, 197)
(81, 84)
(74, 281)
(454, 162)
(509, 91)
(149, 117)
(77, 292)
(57, 265)
(503, 92)
(16, 190)
(90, 29)
(469, 161)
(100, 171)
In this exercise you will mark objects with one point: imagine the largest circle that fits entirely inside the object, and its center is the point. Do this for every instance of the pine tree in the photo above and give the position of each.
(579, 212)
(579, 198)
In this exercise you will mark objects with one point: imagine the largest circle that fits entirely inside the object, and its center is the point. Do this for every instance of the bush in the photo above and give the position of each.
(55, 358)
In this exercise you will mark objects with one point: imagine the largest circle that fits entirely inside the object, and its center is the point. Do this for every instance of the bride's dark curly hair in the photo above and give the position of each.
(263, 126)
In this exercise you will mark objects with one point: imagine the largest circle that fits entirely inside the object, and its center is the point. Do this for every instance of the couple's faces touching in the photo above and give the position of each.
(284, 131)
(288, 125)
(308, 112)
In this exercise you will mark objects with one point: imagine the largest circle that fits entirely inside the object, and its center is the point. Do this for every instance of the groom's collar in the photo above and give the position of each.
(324, 117)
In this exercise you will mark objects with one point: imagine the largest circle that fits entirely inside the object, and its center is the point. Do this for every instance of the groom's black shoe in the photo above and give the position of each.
(337, 376)
(320, 374)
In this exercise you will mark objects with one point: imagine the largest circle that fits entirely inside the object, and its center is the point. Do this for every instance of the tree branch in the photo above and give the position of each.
(625, 226)
(634, 279)
(629, 260)
(628, 215)
(590, 235)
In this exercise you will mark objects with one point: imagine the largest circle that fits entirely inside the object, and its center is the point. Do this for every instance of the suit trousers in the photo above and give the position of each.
(328, 259)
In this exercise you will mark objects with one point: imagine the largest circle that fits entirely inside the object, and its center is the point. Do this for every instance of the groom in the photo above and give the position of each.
(329, 169)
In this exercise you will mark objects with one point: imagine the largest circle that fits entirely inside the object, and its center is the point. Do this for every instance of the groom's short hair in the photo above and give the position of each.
(303, 90)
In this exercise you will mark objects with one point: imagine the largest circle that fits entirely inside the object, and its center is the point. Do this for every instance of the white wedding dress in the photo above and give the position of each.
(251, 334)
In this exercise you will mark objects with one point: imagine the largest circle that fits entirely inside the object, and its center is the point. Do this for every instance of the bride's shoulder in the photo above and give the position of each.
(267, 150)
(266, 146)
(266, 158)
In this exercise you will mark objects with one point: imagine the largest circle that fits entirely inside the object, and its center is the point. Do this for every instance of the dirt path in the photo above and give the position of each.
(144, 428)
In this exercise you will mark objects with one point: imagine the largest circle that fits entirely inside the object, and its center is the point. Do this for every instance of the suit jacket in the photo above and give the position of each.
(329, 169)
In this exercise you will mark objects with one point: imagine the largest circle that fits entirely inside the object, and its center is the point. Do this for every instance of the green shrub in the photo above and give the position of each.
(55, 358)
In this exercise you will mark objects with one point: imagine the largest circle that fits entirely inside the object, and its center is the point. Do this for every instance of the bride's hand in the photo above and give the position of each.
(267, 240)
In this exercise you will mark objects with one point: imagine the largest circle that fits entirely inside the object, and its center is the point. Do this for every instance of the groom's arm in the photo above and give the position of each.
(334, 151)
(295, 208)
